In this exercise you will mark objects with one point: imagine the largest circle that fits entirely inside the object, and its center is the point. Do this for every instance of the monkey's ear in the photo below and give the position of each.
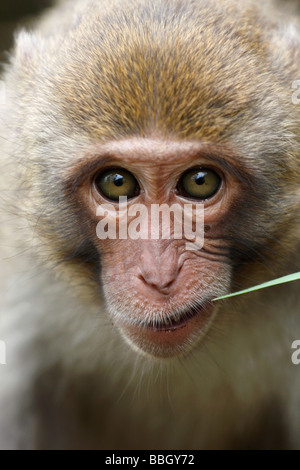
(27, 50)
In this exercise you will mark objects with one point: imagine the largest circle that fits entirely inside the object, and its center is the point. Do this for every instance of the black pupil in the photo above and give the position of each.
(200, 179)
(118, 180)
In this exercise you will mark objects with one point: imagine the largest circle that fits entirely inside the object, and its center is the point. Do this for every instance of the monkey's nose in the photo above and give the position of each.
(156, 281)
(158, 272)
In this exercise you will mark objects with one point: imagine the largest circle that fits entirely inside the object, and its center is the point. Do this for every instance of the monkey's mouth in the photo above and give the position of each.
(174, 322)
(174, 335)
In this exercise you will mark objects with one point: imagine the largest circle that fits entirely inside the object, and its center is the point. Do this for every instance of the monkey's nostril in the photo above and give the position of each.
(168, 284)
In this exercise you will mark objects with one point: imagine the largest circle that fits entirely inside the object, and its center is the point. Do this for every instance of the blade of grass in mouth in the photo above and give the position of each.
(275, 282)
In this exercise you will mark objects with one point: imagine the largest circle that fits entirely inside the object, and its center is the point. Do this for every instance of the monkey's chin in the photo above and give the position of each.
(176, 338)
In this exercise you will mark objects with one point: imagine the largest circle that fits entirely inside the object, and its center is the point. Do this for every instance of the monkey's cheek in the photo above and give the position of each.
(167, 342)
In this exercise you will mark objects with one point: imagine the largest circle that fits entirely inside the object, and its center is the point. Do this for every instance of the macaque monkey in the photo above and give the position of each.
(116, 343)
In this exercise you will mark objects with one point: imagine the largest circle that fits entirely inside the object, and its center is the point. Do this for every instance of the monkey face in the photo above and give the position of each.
(159, 290)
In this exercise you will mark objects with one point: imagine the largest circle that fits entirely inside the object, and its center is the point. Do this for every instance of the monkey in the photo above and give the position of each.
(117, 343)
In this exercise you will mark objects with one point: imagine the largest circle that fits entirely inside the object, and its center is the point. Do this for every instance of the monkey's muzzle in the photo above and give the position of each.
(174, 336)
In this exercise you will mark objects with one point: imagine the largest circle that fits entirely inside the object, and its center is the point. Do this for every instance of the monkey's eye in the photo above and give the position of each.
(199, 183)
(117, 182)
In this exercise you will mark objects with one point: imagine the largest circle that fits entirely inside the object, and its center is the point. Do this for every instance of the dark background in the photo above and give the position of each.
(14, 14)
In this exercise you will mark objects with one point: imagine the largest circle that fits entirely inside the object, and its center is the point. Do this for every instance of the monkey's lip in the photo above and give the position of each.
(173, 337)
(174, 323)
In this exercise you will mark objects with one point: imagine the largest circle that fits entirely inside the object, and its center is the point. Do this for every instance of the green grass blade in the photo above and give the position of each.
(275, 282)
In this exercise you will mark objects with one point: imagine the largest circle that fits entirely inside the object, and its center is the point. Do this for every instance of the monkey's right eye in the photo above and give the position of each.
(117, 182)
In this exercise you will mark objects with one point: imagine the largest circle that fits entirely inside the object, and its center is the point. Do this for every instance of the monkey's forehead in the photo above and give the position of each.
(193, 69)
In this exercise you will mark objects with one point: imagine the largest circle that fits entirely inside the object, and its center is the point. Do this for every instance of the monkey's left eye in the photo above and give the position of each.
(199, 183)
(115, 183)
